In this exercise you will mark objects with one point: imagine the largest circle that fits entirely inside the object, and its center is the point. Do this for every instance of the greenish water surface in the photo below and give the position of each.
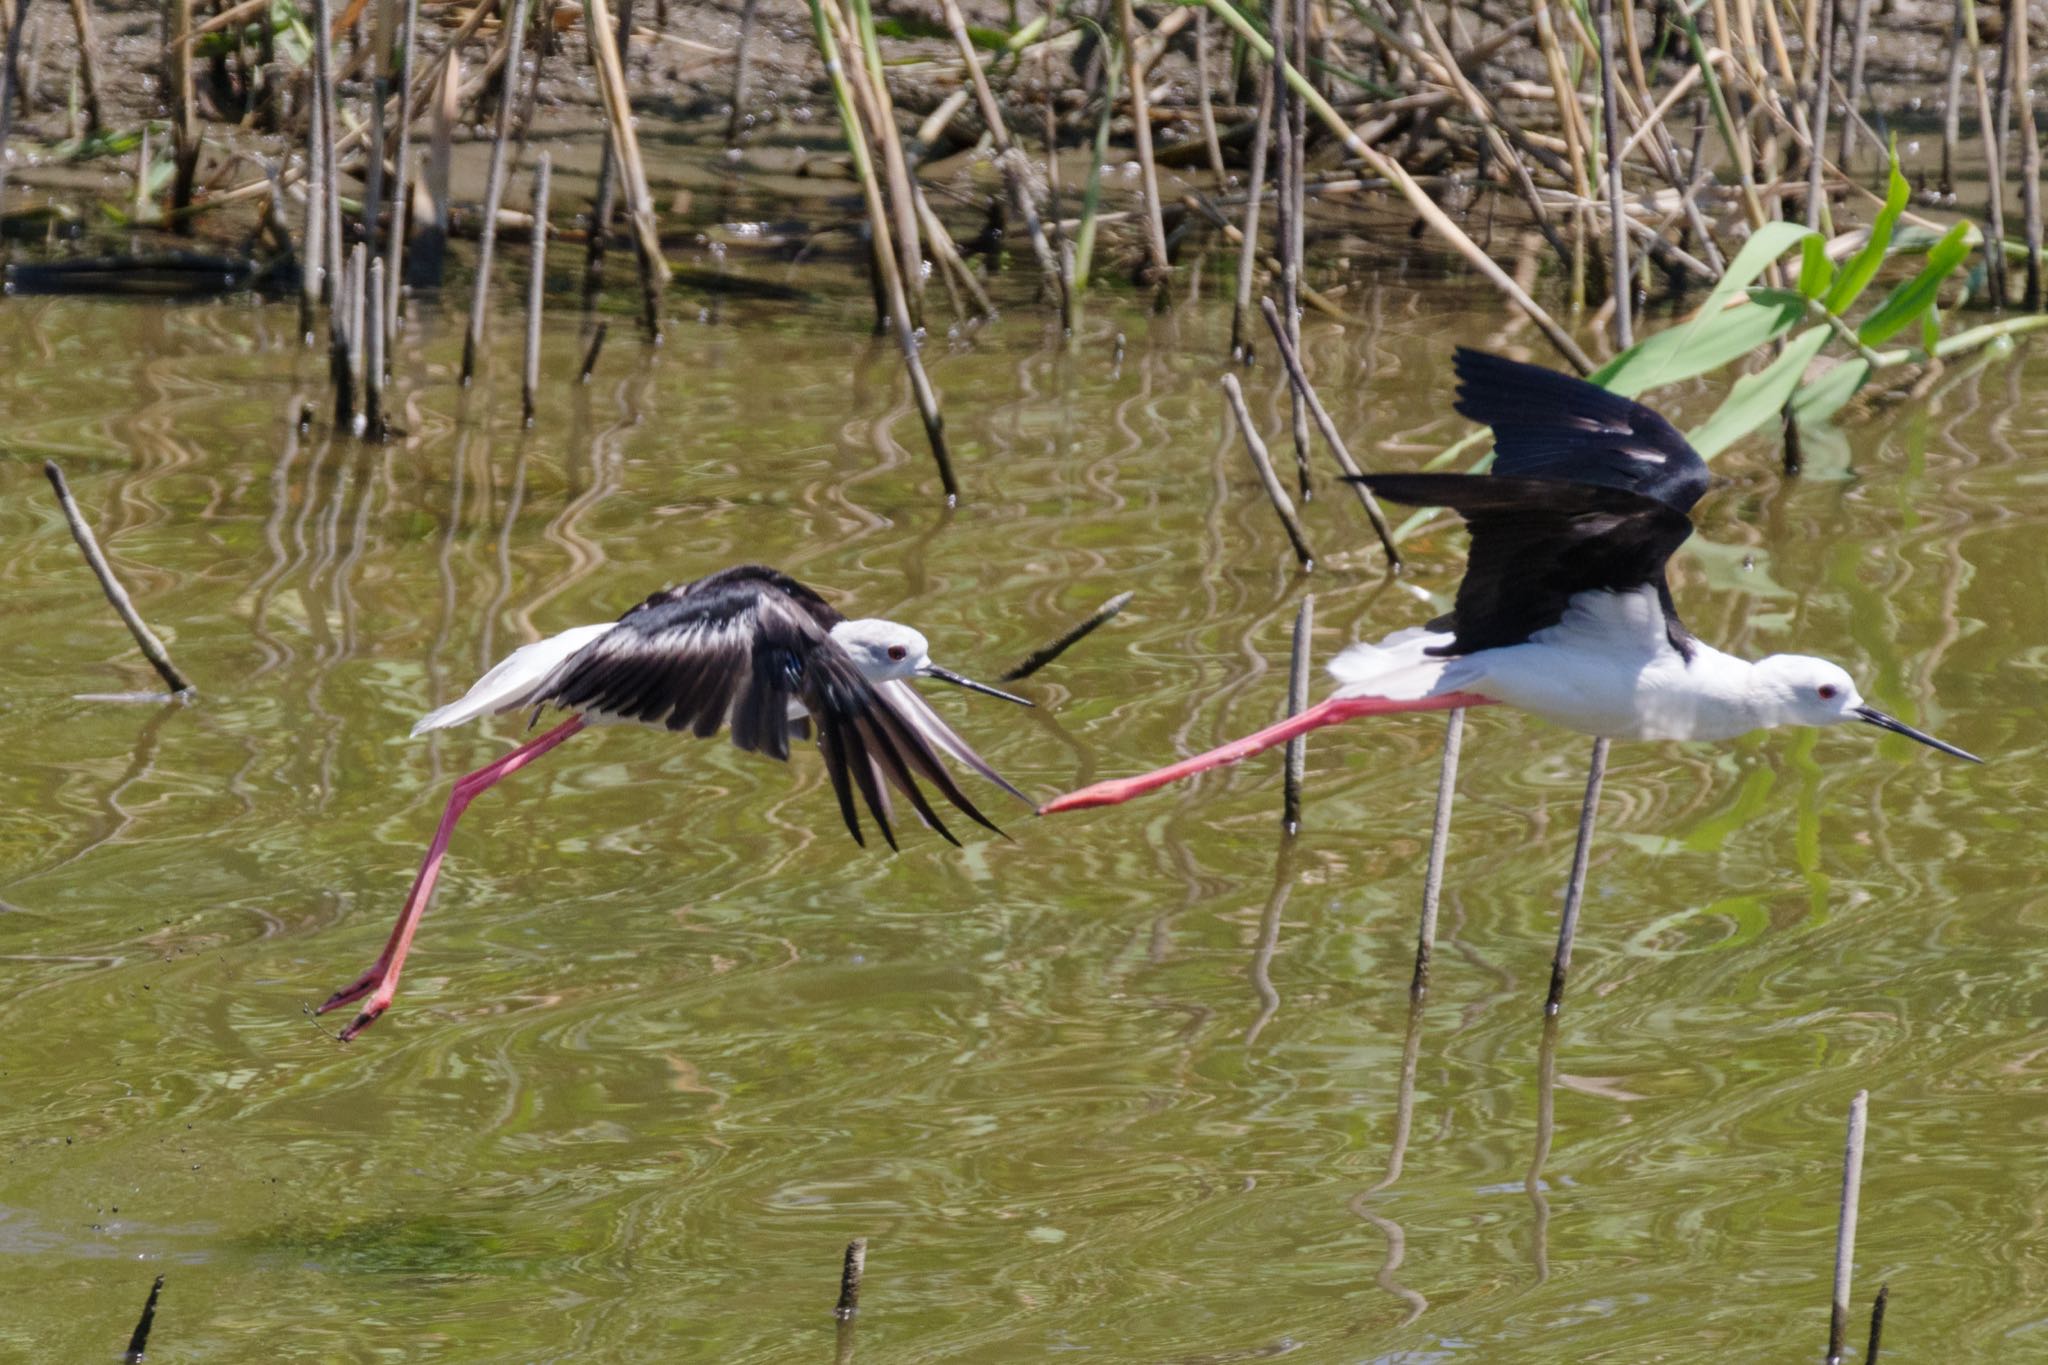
(1130, 1084)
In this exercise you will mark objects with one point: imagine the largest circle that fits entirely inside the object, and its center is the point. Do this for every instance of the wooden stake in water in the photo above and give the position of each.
(494, 193)
(1263, 462)
(152, 648)
(536, 287)
(1845, 1230)
(1296, 766)
(1575, 889)
(1439, 844)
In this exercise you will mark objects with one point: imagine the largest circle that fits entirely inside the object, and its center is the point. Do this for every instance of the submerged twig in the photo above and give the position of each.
(152, 648)
(1039, 658)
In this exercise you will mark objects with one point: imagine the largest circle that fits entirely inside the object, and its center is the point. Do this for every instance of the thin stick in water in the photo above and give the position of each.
(374, 425)
(1439, 844)
(138, 1340)
(1296, 768)
(536, 288)
(1845, 1230)
(1263, 462)
(401, 203)
(152, 648)
(1816, 202)
(1141, 127)
(849, 1279)
(1040, 658)
(1575, 889)
(1884, 1293)
(611, 78)
(494, 192)
(1248, 248)
(1290, 358)
(1621, 284)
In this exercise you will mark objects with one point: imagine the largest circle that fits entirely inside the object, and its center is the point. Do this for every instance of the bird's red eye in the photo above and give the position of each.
(897, 651)
(1827, 691)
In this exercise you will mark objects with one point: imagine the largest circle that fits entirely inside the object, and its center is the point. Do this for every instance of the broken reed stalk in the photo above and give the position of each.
(536, 287)
(1439, 845)
(1994, 162)
(1248, 248)
(313, 262)
(1884, 1293)
(2030, 152)
(494, 192)
(882, 254)
(850, 1273)
(1859, 37)
(8, 67)
(1817, 121)
(1293, 262)
(1263, 462)
(90, 81)
(1845, 1229)
(590, 356)
(1295, 768)
(1203, 100)
(1141, 128)
(1291, 359)
(430, 247)
(604, 203)
(740, 70)
(340, 311)
(152, 648)
(138, 1340)
(374, 424)
(358, 317)
(373, 151)
(871, 97)
(1039, 658)
(1575, 889)
(1010, 160)
(401, 202)
(611, 79)
(184, 117)
(330, 167)
(1620, 281)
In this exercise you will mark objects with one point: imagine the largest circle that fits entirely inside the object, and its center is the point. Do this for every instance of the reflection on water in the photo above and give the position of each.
(1143, 1082)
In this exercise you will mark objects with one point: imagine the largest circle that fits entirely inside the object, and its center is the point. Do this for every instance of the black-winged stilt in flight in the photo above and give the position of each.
(747, 649)
(1564, 610)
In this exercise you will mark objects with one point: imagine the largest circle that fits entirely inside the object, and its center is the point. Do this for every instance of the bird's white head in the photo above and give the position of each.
(1796, 689)
(884, 651)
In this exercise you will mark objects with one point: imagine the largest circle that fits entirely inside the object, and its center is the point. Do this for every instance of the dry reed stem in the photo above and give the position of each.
(401, 185)
(89, 79)
(604, 203)
(1994, 161)
(1248, 241)
(1620, 280)
(1859, 41)
(878, 113)
(330, 166)
(374, 423)
(741, 66)
(1297, 374)
(2030, 151)
(313, 260)
(494, 194)
(1141, 120)
(1816, 202)
(1429, 211)
(536, 290)
(8, 93)
(1263, 463)
(611, 79)
(145, 638)
(1203, 99)
(1039, 658)
(1575, 888)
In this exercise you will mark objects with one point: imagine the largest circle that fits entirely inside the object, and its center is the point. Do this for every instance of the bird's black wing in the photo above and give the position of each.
(734, 650)
(1548, 425)
(1537, 543)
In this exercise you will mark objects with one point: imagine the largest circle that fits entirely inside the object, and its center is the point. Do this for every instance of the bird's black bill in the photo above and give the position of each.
(1882, 721)
(948, 675)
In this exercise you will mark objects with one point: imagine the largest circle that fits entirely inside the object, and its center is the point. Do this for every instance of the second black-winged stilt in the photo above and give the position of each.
(1564, 610)
(747, 649)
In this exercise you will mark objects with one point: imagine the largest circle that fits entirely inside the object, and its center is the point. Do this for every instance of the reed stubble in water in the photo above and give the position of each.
(374, 424)
(138, 1340)
(401, 167)
(145, 638)
(1845, 1228)
(1295, 766)
(1039, 658)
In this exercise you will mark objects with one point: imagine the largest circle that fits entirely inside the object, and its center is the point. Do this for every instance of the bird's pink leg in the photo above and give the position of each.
(1331, 712)
(381, 981)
